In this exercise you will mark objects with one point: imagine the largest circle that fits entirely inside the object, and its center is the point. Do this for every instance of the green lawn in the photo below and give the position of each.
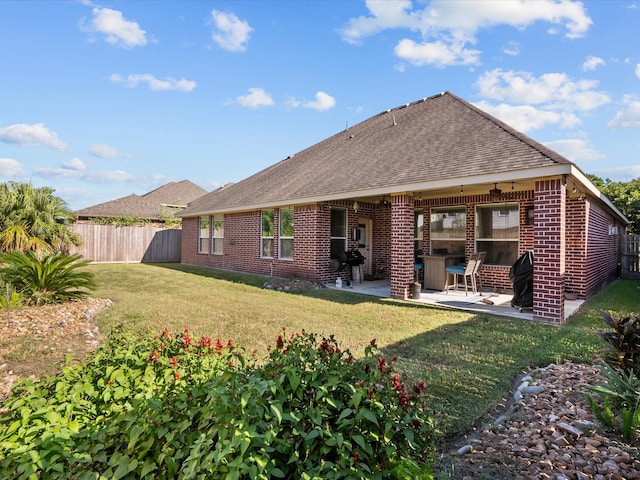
(469, 361)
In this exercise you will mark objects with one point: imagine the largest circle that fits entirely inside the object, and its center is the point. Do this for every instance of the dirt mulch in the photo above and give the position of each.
(35, 341)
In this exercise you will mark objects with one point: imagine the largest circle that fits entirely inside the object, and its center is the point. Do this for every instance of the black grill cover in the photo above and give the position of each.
(521, 276)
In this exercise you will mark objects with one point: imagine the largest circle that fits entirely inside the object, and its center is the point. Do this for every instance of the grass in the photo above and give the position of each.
(469, 361)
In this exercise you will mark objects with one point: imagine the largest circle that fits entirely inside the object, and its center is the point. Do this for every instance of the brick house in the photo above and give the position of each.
(437, 177)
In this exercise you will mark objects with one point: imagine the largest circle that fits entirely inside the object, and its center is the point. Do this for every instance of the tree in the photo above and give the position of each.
(52, 278)
(625, 196)
(33, 219)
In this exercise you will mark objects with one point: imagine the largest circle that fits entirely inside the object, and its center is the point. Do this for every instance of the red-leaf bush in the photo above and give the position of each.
(179, 407)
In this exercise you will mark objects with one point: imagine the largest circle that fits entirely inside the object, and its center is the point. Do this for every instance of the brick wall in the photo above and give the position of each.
(549, 242)
(603, 250)
(311, 251)
(402, 236)
(575, 279)
(381, 249)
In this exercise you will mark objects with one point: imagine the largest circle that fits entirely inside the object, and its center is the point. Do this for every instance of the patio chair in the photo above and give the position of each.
(478, 278)
(418, 266)
(467, 272)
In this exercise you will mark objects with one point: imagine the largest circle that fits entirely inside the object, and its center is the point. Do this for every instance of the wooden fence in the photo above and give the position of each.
(111, 244)
(630, 256)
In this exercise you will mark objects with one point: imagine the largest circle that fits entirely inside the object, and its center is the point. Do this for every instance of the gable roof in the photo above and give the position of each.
(430, 140)
(176, 194)
(153, 205)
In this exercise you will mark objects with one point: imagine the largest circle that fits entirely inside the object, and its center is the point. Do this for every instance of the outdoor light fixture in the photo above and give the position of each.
(495, 191)
(356, 206)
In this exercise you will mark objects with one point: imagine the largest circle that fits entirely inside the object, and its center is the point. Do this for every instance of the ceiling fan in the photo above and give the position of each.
(495, 191)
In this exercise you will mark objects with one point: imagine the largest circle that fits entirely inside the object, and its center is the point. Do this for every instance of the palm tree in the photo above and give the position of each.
(52, 278)
(33, 219)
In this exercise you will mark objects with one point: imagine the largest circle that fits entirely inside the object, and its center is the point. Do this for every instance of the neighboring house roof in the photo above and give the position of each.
(436, 138)
(176, 194)
(153, 205)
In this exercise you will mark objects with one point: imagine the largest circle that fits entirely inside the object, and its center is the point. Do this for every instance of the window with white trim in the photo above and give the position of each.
(203, 239)
(498, 232)
(338, 233)
(217, 234)
(267, 234)
(286, 234)
(448, 228)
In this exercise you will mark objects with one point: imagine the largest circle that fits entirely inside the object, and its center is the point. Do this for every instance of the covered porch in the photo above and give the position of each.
(491, 303)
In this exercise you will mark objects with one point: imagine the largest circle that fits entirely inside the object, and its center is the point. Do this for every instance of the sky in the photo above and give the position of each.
(99, 100)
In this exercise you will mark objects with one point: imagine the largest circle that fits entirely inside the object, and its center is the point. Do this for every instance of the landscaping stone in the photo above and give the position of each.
(549, 433)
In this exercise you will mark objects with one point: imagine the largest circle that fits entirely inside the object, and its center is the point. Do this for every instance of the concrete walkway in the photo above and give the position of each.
(483, 302)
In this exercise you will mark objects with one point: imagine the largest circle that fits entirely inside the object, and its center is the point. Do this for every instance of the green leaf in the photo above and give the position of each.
(123, 468)
(277, 411)
(368, 414)
(276, 472)
(345, 413)
(134, 434)
(311, 435)
(148, 467)
(294, 380)
(359, 439)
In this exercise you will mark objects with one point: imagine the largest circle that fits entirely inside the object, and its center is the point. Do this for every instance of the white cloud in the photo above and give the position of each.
(446, 27)
(292, 103)
(576, 150)
(74, 164)
(554, 90)
(629, 117)
(638, 70)
(230, 32)
(384, 15)
(512, 48)
(101, 150)
(31, 135)
(323, 102)
(10, 168)
(154, 83)
(591, 63)
(526, 117)
(619, 174)
(100, 177)
(437, 53)
(256, 98)
(117, 30)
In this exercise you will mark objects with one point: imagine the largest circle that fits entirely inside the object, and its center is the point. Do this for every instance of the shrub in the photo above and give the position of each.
(623, 341)
(54, 278)
(9, 299)
(621, 408)
(620, 392)
(176, 407)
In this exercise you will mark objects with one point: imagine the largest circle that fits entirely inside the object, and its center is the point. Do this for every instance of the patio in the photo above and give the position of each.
(483, 302)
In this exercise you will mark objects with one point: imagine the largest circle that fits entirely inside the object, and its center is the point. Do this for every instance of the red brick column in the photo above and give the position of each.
(402, 235)
(549, 251)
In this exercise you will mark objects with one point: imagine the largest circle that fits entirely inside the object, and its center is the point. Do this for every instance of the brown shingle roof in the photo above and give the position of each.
(153, 205)
(177, 194)
(440, 137)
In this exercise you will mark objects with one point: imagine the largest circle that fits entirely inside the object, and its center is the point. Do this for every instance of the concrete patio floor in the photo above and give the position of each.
(500, 303)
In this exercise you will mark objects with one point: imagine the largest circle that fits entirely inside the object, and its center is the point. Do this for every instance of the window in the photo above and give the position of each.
(286, 233)
(497, 233)
(217, 235)
(203, 240)
(266, 238)
(448, 229)
(338, 233)
(418, 232)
